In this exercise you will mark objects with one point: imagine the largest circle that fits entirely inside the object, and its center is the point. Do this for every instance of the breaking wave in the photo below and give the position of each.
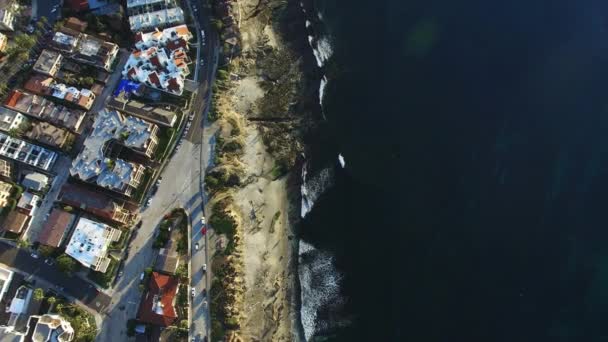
(313, 187)
(320, 289)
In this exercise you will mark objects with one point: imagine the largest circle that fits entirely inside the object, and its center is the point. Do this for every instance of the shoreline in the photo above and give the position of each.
(266, 208)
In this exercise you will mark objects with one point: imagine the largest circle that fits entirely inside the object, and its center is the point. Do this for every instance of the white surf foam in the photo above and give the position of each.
(341, 160)
(312, 188)
(308, 24)
(320, 286)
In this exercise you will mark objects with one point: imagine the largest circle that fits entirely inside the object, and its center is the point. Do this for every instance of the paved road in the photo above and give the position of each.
(72, 286)
(44, 8)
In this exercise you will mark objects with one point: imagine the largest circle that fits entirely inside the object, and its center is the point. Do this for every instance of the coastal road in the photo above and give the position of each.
(72, 286)
(199, 141)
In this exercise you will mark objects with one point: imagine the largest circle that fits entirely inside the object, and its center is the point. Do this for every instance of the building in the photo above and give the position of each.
(35, 181)
(85, 48)
(49, 62)
(24, 152)
(171, 35)
(45, 133)
(15, 222)
(56, 227)
(148, 20)
(10, 119)
(142, 6)
(158, 304)
(76, 24)
(6, 276)
(40, 108)
(7, 20)
(3, 42)
(89, 244)
(28, 203)
(160, 60)
(159, 115)
(19, 308)
(91, 164)
(50, 328)
(5, 193)
(45, 85)
(95, 203)
(167, 261)
(6, 169)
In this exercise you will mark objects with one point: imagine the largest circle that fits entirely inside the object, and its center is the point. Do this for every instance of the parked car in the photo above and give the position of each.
(49, 261)
(192, 292)
(196, 246)
(204, 267)
(141, 277)
(203, 220)
(35, 256)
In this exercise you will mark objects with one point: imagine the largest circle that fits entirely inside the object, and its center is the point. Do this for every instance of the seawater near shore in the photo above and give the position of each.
(318, 278)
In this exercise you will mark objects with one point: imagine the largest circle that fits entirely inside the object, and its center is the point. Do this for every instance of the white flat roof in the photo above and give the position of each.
(135, 3)
(6, 276)
(89, 242)
(154, 19)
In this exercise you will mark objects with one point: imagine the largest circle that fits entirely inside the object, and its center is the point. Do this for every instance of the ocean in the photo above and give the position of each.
(457, 187)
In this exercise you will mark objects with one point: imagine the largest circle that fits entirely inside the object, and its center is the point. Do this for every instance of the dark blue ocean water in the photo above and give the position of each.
(474, 202)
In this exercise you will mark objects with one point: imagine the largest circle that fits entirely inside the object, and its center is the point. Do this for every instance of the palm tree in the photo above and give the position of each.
(38, 294)
(51, 301)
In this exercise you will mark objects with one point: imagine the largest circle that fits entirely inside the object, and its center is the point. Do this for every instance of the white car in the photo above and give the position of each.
(34, 255)
(196, 246)
(204, 267)
(203, 220)
(192, 292)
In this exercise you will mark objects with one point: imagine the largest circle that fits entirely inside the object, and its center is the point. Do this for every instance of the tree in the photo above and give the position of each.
(23, 243)
(51, 300)
(148, 270)
(38, 294)
(183, 324)
(66, 264)
(59, 307)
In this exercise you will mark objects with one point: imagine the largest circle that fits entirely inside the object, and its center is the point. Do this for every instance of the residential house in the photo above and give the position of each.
(93, 166)
(85, 48)
(76, 24)
(45, 85)
(20, 308)
(6, 276)
(158, 304)
(49, 62)
(161, 61)
(35, 181)
(149, 20)
(5, 193)
(48, 134)
(10, 119)
(89, 244)
(3, 42)
(15, 222)
(142, 6)
(50, 328)
(28, 203)
(95, 203)
(6, 169)
(7, 20)
(45, 110)
(24, 152)
(56, 227)
(159, 115)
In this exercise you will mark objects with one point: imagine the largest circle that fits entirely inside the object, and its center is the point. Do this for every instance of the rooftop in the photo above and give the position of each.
(135, 3)
(91, 162)
(52, 328)
(6, 276)
(34, 180)
(27, 153)
(64, 41)
(160, 115)
(55, 227)
(48, 62)
(89, 242)
(28, 202)
(155, 19)
(9, 119)
(93, 202)
(15, 221)
(47, 134)
(46, 110)
(157, 305)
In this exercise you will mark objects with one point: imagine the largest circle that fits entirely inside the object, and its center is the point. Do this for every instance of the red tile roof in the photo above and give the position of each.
(157, 305)
(153, 78)
(55, 226)
(176, 44)
(13, 97)
(173, 85)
